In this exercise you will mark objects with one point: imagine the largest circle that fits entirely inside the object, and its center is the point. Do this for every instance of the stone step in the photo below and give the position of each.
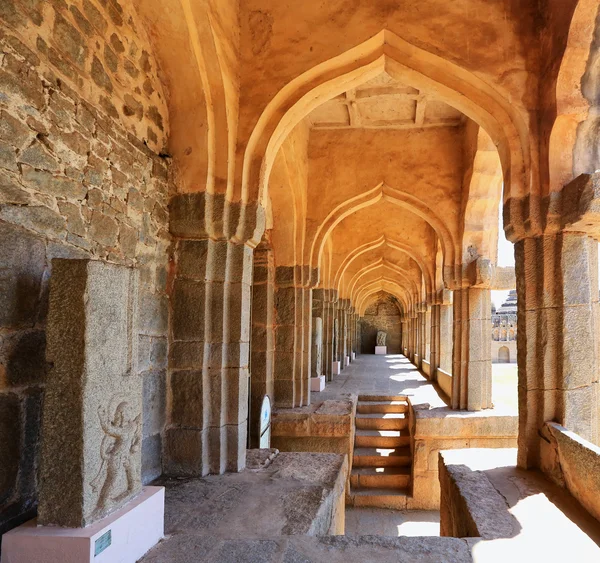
(383, 398)
(371, 407)
(381, 439)
(381, 421)
(380, 498)
(380, 477)
(381, 457)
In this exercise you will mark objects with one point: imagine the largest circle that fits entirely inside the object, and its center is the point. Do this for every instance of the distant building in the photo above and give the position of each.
(504, 330)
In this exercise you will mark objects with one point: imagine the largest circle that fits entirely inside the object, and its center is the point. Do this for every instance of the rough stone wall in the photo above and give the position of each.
(381, 315)
(82, 119)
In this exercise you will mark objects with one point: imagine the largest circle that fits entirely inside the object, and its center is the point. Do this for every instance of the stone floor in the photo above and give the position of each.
(394, 374)
(381, 375)
(394, 523)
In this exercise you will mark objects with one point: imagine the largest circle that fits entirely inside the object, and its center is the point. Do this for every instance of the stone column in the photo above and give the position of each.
(351, 331)
(427, 336)
(293, 326)
(317, 347)
(329, 310)
(446, 331)
(263, 338)
(92, 417)
(557, 288)
(471, 355)
(434, 338)
(414, 336)
(209, 357)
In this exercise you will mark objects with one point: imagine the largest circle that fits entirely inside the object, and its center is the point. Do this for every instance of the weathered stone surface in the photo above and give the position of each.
(578, 463)
(470, 505)
(99, 75)
(22, 259)
(10, 441)
(91, 451)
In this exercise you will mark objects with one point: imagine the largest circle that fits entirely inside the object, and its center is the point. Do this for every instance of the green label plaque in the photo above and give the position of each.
(102, 543)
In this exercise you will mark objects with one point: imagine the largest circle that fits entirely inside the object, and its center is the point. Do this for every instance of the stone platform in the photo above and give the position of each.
(278, 494)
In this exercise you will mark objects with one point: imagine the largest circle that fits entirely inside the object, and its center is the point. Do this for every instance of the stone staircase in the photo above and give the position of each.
(382, 462)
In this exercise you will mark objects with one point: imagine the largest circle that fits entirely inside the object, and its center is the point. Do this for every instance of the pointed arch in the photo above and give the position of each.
(573, 102)
(399, 291)
(373, 196)
(382, 263)
(410, 64)
(376, 243)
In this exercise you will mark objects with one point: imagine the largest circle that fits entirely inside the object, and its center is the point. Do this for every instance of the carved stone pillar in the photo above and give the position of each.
(434, 339)
(92, 420)
(209, 356)
(263, 338)
(427, 334)
(471, 356)
(415, 337)
(209, 317)
(293, 326)
(329, 316)
(446, 331)
(557, 288)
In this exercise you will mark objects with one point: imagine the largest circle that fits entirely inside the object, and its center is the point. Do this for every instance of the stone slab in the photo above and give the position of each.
(317, 384)
(332, 549)
(92, 416)
(380, 350)
(133, 529)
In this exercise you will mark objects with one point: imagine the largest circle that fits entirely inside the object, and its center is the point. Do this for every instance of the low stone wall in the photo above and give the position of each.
(573, 463)
(321, 427)
(443, 429)
(426, 368)
(470, 507)
(444, 380)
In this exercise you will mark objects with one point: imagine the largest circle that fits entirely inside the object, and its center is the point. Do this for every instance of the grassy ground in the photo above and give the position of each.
(504, 386)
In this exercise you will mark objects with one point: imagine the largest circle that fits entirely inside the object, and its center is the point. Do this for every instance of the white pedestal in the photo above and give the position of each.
(336, 368)
(128, 534)
(353, 356)
(347, 361)
(317, 383)
(381, 350)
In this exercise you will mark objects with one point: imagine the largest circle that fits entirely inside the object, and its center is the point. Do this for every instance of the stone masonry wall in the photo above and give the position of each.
(381, 315)
(82, 120)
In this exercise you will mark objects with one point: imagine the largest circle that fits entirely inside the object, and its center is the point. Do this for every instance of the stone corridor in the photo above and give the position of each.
(258, 261)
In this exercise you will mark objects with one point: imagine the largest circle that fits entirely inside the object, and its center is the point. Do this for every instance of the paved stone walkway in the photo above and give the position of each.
(394, 374)
(386, 375)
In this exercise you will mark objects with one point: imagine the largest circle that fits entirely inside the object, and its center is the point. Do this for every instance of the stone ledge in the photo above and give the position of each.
(470, 505)
(328, 419)
(573, 463)
(333, 549)
(445, 422)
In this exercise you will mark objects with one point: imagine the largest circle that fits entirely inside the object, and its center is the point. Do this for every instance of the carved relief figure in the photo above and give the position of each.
(122, 439)
(381, 336)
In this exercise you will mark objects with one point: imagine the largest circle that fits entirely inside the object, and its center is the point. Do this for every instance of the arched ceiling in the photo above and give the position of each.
(400, 190)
